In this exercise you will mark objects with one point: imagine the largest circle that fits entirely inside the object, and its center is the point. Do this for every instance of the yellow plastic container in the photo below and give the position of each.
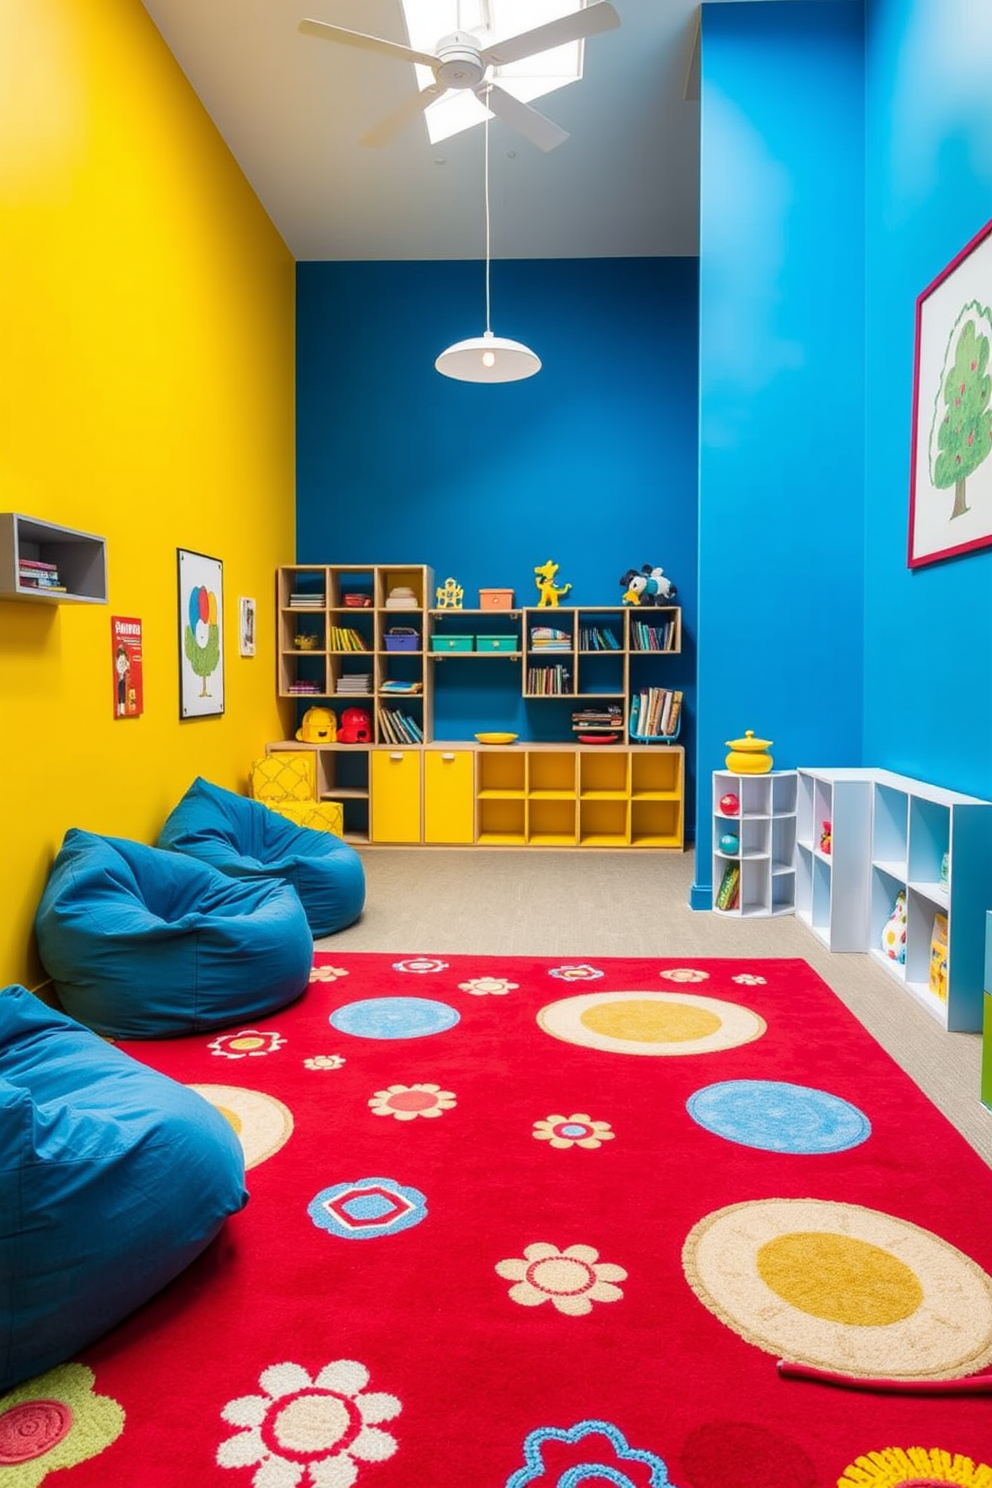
(749, 756)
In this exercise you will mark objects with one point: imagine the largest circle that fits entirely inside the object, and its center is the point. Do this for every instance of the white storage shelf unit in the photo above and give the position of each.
(913, 826)
(832, 884)
(765, 828)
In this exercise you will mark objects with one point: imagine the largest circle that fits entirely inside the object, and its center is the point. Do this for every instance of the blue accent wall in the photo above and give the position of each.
(782, 388)
(928, 632)
(591, 463)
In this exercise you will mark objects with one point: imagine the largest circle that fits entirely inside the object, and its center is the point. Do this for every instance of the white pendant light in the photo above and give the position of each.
(488, 358)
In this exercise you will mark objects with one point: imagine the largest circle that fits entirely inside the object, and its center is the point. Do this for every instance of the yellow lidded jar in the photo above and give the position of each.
(749, 756)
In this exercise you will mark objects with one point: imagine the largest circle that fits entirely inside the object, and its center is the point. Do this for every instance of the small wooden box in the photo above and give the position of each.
(495, 599)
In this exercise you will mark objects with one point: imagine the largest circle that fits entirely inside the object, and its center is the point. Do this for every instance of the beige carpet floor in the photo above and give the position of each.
(585, 904)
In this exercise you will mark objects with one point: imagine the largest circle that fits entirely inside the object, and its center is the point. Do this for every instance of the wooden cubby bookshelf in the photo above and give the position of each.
(566, 794)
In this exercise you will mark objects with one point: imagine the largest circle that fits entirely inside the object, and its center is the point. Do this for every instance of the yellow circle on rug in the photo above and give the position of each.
(843, 1288)
(650, 1023)
(263, 1124)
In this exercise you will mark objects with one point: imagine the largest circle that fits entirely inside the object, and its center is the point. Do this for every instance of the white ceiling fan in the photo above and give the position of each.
(460, 61)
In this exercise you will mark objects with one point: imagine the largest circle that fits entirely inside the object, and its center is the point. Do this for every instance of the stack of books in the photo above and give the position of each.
(605, 720)
(353, 684)
(303, 688)
(33, 574)
(306, 601)
(546, 638)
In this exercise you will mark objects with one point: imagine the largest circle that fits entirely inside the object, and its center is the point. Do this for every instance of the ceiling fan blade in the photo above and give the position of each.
(581, 23)
(387, 130)
(367, 43)
(521, 117)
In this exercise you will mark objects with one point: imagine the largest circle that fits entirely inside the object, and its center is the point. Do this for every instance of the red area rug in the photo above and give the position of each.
(524, 1222)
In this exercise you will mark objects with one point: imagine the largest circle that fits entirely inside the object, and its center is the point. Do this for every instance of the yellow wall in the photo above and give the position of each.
(146, 394)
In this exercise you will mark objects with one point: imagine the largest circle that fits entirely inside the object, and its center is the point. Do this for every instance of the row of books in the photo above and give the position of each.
(398, 727)
(344, 638)
(654, 712)
(597, 638)
(644, 637)
(549, 681)
(33, 574)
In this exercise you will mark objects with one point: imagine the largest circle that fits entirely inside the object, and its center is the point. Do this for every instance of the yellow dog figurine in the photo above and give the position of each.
(548, 590)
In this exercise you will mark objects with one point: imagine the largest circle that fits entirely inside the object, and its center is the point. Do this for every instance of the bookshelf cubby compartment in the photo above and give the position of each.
(832, 889)
(913, 826)
(76, 560)
(765, 828)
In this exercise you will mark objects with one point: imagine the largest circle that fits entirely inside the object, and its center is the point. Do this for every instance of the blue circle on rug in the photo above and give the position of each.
(777, 1117)
(394, 1017)
(367, 1208)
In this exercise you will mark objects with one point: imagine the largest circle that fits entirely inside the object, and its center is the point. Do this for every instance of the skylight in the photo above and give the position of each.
(490, 20)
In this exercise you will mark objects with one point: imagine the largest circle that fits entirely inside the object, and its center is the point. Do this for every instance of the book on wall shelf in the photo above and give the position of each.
(398, 727)
(548, 681)
(645, 637)
(306, 601)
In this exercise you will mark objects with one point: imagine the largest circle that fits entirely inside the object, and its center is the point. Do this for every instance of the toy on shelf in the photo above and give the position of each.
(749, 756)
(938, 958)
(356, 727)
(729, 844)
(306, 642)
(826, 837)
(730, 804)
(894, 930)
(545, 574)
(319, 726)
(647, 586)
(449, 595)
(728, 894)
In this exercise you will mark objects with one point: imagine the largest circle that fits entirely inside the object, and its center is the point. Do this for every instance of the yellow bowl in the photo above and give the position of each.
(497, 738)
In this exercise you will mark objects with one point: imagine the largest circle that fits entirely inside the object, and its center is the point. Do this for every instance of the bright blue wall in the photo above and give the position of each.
(591, 463)
(781, 340)
(928, 632)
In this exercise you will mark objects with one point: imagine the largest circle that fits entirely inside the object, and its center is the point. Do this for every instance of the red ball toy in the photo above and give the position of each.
(730, 805)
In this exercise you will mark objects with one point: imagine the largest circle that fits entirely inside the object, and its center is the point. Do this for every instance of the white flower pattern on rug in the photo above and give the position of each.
(571, 1279)
(578, 973)
(745, 979)
(573, 1131)
(326, 973)
(406, 1102)
(304, 1433)
(685, 974)
(488, 986)
(421, 965)
(248, 1044)
(325, 1061)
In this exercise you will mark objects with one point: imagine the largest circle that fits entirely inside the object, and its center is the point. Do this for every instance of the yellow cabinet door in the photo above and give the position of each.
(395, 793)
(449, 797)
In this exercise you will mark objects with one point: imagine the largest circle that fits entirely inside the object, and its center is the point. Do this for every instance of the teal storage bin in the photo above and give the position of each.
(452, 642)
(497, 643)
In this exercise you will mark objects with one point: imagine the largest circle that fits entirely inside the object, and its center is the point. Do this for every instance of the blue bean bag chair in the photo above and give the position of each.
(112, 1179)
(141, 943)
(245, 839)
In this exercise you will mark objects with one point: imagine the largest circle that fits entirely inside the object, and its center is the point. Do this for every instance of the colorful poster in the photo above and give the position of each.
(125, 635)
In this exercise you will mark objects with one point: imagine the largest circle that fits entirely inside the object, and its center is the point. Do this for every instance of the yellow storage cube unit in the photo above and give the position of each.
(449, 796)
(395, 795)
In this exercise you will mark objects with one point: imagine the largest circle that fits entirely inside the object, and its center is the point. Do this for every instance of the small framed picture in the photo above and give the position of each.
(246, 622)
(201, 635)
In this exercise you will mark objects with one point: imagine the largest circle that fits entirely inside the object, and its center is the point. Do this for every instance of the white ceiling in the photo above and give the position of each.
(291, 109)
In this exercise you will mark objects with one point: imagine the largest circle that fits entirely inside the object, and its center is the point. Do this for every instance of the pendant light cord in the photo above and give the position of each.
(486, 179)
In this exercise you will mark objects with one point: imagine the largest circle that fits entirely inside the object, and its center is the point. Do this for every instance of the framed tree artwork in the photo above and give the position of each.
(201, 635)
(950, 505)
